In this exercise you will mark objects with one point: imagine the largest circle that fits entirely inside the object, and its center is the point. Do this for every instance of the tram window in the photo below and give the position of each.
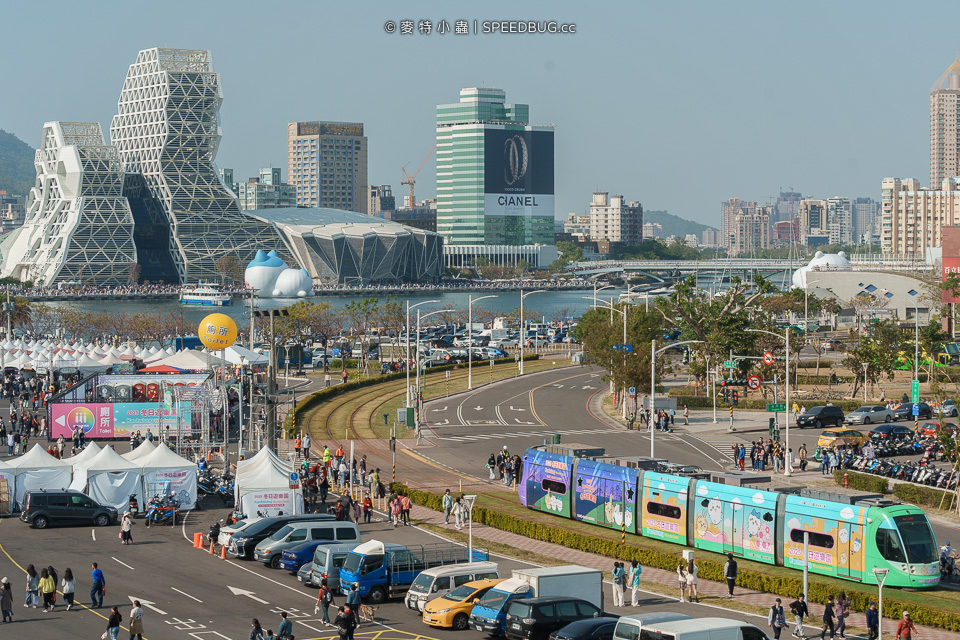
(821, 540)
(665, 510)
(553, 486)
(889, 546)
(917, 538)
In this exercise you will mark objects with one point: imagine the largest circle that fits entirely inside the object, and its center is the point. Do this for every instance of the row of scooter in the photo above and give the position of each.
(212, 484)
(922, 471)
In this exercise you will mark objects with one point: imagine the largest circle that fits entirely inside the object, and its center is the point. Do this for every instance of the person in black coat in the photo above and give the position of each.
(873, 621)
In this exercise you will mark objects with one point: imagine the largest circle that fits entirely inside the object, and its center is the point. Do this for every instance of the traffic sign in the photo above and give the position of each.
(294, 480)
(729, 364)
(633, 391)
(915, 392)
(767, 358)
(753, 383)
(776, 407)
(916, 409)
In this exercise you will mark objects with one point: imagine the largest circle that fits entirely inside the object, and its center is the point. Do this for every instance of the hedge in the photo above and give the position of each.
(923, 496)
(709, 569)
(755, 403)
(862, 481)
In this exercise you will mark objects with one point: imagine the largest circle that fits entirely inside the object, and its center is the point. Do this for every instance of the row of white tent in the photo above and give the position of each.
(263, 485)
(103, 474)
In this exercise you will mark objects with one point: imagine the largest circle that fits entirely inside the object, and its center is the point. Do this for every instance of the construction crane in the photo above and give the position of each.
(410, 180)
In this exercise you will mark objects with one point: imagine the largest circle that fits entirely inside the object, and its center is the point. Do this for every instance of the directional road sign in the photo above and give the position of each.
(768, 358)
(776, 407)
(753, 383)
(729, 364)
(633, 391)
(915, 392)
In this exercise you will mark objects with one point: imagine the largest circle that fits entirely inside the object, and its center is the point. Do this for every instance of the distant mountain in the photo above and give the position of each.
(17, 173)
(674, 225)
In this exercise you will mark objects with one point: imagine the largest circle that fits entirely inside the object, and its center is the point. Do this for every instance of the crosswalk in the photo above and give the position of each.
(521, 434)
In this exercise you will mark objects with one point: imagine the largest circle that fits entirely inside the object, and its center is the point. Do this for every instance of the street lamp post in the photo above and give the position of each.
(240, 416)
(419, 317)
(470, 499)
(653, 377)
(806, 311)
(916, 339)
(881, 575)
(470, 302)
(271, 399)
(407, 367)
(865, 366)
(623, 313)
(595, 290)
(788, 467)
(523, 324)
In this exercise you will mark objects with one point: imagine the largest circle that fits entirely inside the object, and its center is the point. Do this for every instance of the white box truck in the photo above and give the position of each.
(490, 614)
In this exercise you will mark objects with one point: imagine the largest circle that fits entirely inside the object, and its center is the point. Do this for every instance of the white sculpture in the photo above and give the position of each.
(270, 277)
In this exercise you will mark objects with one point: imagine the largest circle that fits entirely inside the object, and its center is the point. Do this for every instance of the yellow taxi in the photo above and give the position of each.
(841, 436)
(452, 610)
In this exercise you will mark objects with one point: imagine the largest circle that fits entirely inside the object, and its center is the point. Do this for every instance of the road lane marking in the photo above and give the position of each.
(244, 592)
(517, 408)
(93, 534)
(123, 563)
(148, 604)
(187, 594)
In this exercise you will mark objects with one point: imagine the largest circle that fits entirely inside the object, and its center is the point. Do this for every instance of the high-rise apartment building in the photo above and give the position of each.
(266, 191)
(652, 230)
(787, 207)
(381, 200)
(327, 163)
(813, 218)
(494, 172)
(839, 220)
(729, 211)
(866, 220)
(945, 126)
(577, 226)
(613, 219)
(913, 217)
(709, 238)
(751, 232)
(785, 233)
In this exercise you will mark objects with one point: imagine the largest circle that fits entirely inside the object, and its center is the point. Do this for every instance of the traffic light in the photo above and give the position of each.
(735, 397)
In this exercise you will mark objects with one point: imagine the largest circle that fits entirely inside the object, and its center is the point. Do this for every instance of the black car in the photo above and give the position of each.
(43, 508)
(905, 412)
(890, 431)
(822, 416)
(589, 629)
(537, 618)
(243, 543)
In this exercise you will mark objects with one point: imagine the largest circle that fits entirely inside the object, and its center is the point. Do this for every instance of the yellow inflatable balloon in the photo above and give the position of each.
(217, 331)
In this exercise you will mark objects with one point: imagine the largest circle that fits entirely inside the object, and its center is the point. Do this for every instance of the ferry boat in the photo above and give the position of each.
(205, 294)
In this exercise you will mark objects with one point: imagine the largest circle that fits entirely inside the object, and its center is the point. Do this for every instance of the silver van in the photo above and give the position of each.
(327, 560)
(701, 629)
(628, 627)
(270, 550)
(439, 581)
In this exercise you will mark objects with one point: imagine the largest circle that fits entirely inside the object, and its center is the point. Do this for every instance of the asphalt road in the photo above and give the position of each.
(188, 593)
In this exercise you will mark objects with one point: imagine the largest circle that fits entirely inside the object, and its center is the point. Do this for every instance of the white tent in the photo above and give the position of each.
(165, 472)
(7, 485)
(190, 361)
(265, 455)
(87, 453)
(37, 470)
(146, 448)
(266, 490)
(232, 354)
(87, 364)
(110, 480)
(111, 359)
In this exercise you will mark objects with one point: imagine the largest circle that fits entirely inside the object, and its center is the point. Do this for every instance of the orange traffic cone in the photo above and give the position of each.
(211, 547)
(198, 540)
(223, 552)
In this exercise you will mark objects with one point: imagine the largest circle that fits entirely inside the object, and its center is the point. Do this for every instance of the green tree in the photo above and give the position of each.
(880, 352)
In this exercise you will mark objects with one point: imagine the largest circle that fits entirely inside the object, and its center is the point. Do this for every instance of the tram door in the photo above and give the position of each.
(733, 528)
(842, 551)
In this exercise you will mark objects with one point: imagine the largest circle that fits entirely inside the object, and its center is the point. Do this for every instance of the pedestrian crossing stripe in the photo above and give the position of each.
(524, 434)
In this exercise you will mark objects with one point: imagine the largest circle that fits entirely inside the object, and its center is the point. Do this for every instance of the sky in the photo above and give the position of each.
(679, 105)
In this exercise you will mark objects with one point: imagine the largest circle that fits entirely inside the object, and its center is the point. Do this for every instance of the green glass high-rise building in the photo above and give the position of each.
(495, 180)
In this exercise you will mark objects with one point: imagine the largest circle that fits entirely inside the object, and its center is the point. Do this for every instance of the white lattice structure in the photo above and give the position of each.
(78, 226)
(167, 130)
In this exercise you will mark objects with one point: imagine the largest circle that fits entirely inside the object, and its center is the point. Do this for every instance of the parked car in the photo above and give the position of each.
(833, 345)
(243, 542)
(821, 416)
(537, 618)
(452, 610)
(269, 550)
(589, 629)
(869, 414)
(44, 508)
(295, 557)
(935, 428)
(946, 408)
(305, 575)
(836, 437)
(890, 431)
(905, 411)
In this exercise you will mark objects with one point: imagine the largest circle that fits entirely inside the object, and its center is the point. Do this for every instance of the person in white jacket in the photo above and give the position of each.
(68, 586)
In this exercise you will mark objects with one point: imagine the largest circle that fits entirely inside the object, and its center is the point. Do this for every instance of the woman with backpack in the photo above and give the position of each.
(395, 510)
(776, 619)
(842, 609)
(682, 581)
(256, 631)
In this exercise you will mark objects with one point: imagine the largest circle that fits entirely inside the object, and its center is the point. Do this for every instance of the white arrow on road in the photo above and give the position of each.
(478, 408)
(441, 424)
(518, 409)
(249, 594)
(518, 421)
(148, 605)
(439, 410)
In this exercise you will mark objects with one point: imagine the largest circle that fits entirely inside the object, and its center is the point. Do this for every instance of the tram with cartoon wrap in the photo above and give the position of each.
(845, 541)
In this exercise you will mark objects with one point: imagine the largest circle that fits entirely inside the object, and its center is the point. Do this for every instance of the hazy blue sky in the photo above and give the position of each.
(677, 104)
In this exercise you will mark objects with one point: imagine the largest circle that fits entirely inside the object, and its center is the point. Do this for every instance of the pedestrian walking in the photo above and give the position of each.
(692, 571)
(635, 571)
(99, 588)
(126, 528)
(829, 619)
(48, 587)
(842, 610)
(256, 631)
(873, 622)
(345, 622)
(730, 572)
(800, 611)
(306, 448)
(324, 600)
(458, 512)
(33, 587)
(6, 600)
(508, 471)
(136, 621)
(492, 466)
(344, 376)
(673, 416)
(905, 627)
(367, 508)
(113, 623)
(447, 504)
(803, 457)
(682, 581)
(776, 619)
(285, 629)
(353, 605)
(326, 379)
(69, 587)
(618, 574)
(686, 415)
(395, 511)
(405, 506)
(297, 447)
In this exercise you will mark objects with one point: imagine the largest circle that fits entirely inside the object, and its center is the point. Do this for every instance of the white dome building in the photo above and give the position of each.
(821, 262)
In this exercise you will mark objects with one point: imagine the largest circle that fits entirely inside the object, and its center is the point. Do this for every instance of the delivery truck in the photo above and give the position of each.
(490, 613)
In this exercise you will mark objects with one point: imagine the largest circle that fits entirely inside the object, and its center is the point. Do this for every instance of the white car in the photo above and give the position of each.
(870, 414)
(946, 408)
(227, 531)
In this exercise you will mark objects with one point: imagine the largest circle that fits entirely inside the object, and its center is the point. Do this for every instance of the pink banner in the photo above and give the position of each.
(94, 418)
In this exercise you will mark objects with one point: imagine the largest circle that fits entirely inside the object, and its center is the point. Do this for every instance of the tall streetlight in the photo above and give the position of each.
(470, 302)
(470, 499)
(653, 377)
(407, 367)
(806, 309)
(916, 337)
(523, 324)
(426, 315)
(881, 575)
(788, 467)
(623, 313)
(595, 290)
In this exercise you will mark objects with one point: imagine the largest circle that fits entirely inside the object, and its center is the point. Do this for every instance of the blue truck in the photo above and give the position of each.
(383, 570)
